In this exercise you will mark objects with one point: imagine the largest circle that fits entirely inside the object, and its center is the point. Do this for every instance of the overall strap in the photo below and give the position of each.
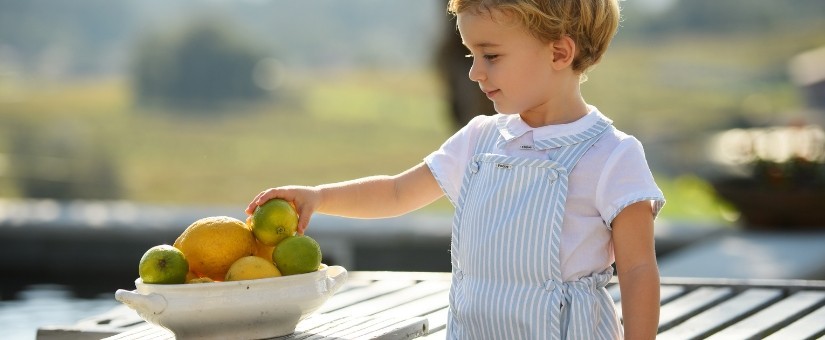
(570, 151)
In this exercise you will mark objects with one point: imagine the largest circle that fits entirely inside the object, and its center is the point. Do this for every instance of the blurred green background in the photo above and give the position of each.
(210, 102)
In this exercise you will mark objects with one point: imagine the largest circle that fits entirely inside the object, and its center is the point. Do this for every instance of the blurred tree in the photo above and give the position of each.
(208, 64)
(465, 98)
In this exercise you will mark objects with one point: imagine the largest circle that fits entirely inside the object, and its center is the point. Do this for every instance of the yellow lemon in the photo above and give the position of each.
(212, 244)
(297, 255)
(274, 221)
(163, 264)
(251, 268)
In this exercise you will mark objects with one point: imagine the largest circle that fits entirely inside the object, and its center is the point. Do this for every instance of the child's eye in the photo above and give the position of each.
(489, 57)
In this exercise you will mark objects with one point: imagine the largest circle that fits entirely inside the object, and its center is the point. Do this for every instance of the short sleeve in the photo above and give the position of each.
(449, 162)
(626, 179)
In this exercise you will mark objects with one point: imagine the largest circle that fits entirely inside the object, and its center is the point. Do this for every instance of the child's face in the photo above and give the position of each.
(511, 66)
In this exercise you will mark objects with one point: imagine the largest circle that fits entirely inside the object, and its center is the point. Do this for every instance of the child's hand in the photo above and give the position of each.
(305, 199)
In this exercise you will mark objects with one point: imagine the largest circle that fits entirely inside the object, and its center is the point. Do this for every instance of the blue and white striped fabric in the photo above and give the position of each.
(507, 281)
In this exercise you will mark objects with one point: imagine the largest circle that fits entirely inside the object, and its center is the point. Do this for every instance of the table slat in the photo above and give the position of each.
(342, 330)
(144, 332)
(689, 304)
(809, 326)
(315, 325)
(782, 312)
(388, 301)
(666, 293)
(364, 328)
(669, 292)
(390, 328)
(421, 306)
(365, 293)
(439, 335)
(732, 309)
(438, 319)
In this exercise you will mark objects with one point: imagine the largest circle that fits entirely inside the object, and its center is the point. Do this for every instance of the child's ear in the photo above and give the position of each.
(564, 50)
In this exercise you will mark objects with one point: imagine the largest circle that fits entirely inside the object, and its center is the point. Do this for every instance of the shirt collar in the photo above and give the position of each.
(594, 122)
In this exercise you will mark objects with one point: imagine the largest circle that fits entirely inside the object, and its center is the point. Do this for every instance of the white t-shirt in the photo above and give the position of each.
(610, 176)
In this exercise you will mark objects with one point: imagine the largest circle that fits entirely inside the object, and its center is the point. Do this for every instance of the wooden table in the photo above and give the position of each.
(405, 305)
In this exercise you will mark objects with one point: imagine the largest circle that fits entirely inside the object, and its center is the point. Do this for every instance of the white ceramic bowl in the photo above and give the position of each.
(250, 309)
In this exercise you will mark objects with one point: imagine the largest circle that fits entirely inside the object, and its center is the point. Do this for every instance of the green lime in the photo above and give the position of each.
(274, 221)
(163, 264)
(297, 255)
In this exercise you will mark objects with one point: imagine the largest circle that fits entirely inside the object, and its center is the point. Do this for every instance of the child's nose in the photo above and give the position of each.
(477, 72)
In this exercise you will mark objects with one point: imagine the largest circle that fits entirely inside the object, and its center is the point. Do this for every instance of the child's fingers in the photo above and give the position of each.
(251, 208)
(260, 199)
(253, 204)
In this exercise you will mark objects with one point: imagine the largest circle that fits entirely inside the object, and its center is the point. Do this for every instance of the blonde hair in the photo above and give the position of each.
(590, 23)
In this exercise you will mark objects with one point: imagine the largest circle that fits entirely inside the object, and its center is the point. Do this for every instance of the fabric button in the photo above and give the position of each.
(459, 275)
(550, 285)
(474, 166)
(553, 176)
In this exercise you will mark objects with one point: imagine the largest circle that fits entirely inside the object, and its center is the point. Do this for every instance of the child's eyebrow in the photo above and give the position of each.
(482, 44)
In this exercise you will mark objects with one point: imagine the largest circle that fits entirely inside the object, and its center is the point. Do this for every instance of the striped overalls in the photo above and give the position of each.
(507, 281)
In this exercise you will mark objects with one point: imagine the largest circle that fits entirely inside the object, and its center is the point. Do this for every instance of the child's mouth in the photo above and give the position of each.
(492, 93)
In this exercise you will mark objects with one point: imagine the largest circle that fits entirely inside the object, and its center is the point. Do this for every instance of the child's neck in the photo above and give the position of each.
(555, 113)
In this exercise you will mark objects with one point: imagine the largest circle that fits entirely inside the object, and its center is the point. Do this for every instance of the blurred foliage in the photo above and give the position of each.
(165, 157)
(326, 137)
(356, 95)
(690, 197)
(61, 162)
(206, 65)
(724, 17)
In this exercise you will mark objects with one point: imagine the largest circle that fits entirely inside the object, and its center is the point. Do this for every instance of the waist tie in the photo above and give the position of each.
(577, 304)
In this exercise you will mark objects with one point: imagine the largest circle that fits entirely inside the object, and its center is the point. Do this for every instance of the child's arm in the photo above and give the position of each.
(637, 270)
(369, 197)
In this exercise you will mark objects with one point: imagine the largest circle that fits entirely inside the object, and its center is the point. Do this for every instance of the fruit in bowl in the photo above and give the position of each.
(297, 255)
(243, 281)
(163, 264)
(274, 221)
(251, 268)
(212, 244)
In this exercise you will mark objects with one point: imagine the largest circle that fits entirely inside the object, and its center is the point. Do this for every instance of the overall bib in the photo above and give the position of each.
(507, 281)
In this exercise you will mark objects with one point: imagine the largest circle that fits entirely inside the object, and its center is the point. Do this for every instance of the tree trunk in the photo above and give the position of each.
(466, 99)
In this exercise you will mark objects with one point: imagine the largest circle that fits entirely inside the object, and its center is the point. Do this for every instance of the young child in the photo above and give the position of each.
(548, 194)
